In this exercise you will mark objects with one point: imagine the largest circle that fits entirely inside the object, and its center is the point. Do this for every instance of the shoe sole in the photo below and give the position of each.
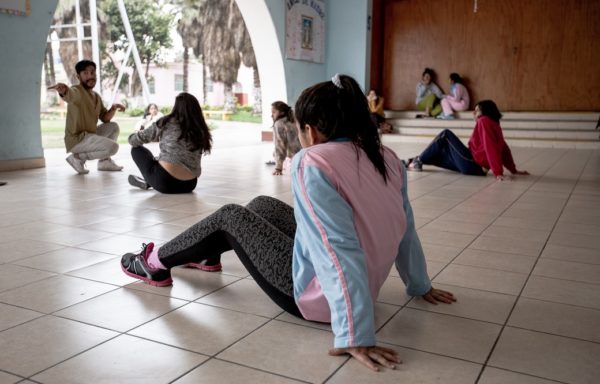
(84, 172)
(110, 170)
(206, 268)
(136, 183)
(162, 283)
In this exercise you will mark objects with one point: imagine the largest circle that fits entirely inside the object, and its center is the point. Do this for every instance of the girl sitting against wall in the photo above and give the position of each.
(457, 100)
(183, 138)
(487, 148)
(428, 95)
(327, 258)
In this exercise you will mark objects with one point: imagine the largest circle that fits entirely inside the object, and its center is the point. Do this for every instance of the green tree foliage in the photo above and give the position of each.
(213, 30)
(150, 24)
(151, 28)
(190, 30)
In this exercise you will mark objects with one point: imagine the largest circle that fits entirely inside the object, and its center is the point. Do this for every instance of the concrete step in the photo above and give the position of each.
(575, 125)
(532, 129)
(513, 142)
(524, 116)
(556, 134)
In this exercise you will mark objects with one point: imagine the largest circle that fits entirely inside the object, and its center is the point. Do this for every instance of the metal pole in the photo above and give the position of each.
(69, 25)
(120, 76)
(136, 55)
(78, 28)
(69, 39)
(95, 48)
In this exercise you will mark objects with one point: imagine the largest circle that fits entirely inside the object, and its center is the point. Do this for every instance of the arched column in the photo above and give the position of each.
(22, 43)
(268, 52)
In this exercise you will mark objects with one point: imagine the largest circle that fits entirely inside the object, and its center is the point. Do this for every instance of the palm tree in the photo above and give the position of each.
(218, 42)
(216, 32)
(249, 60)
(244, 43)
(190, 31)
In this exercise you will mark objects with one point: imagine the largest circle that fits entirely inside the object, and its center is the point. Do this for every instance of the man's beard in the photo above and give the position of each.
(86, 86)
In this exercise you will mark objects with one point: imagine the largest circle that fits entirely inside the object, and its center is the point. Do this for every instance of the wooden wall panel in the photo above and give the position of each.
(377, 47)
(484, 53)
(578, 84)
(534, 55)
(537, 59)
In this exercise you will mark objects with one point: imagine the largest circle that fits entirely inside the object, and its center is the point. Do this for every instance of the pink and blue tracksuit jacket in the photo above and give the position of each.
(351, 228)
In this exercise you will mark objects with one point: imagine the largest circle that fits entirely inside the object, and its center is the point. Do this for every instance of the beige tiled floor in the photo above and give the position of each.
(522, 256)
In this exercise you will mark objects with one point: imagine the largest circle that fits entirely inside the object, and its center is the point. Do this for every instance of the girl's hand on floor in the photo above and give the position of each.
(277, 172)
(371, 357)
(500, 178)
(435, 295)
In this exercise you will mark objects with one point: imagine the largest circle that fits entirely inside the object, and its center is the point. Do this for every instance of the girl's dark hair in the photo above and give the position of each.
(455, 77)
(147, 110)
(375, 92)
(341, 112)
(428, 71)
(490, 109)
(188, 115)
(285, 109)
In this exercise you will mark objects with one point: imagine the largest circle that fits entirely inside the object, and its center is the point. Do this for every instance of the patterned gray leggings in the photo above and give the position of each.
(262, 236)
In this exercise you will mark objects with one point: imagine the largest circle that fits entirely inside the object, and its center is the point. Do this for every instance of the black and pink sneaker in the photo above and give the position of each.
(135, 265)
(212, 264)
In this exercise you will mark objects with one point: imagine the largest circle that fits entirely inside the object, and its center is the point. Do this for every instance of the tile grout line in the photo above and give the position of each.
(401, 307)
(497, 216)
(462, 248)
(214, 356)
(485, 364)
(491, 223)
(118, 334)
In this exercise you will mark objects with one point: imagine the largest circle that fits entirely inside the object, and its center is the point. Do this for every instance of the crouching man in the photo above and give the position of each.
(84, 138)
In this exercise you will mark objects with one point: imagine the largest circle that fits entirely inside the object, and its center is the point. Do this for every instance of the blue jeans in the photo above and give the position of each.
(447, 151)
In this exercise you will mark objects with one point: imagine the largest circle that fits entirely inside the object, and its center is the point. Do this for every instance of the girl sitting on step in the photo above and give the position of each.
(457, 100)
(428, 95)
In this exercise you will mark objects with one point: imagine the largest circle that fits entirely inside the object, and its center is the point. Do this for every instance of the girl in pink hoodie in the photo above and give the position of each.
(457, 100)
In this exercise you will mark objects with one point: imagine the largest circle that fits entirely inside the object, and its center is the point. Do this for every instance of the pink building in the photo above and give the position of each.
(167, 82)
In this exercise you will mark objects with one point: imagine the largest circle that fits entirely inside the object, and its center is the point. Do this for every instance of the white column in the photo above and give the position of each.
(95, 49)
(120, 76)
(78, 28)
(268, 53)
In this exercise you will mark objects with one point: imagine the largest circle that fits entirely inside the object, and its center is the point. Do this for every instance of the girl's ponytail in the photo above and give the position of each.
(339, 109)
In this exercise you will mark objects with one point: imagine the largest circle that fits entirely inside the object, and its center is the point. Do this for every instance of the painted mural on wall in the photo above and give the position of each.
(305, 30)
(15, 7)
